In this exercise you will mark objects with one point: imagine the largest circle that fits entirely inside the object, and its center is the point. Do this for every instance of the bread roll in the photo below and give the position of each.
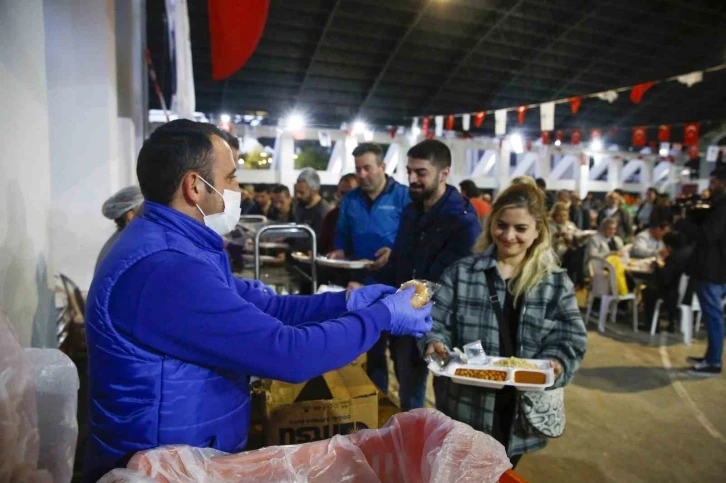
(421, 297)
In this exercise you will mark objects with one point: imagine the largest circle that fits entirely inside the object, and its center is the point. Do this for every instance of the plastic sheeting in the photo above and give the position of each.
(56, 392)
(19, 435)
(422, 445)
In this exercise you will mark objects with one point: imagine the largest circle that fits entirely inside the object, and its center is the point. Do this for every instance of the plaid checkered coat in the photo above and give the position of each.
(550, 327)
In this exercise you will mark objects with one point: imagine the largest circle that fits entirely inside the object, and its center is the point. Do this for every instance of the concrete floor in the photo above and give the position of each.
(632, 419)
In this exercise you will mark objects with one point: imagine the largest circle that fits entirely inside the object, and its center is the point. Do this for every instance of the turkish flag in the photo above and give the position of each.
(235, 28)
(595, 134)
(545, 137)
(520, 114)
(690, 133)
(392, 131)
(576, 136)
(425, 126)
(664, 133)
(636, 95)
(450, 123)
(479, 118)
(575, 104)
(560, 135)
(639, 136)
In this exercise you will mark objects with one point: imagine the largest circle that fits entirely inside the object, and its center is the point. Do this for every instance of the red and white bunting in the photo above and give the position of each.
(690, 133)
(640, 136)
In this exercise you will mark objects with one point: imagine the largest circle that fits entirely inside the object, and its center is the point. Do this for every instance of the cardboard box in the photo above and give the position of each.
(338, 402)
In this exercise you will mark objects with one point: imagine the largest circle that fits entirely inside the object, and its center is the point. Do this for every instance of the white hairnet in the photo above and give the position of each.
(124, 200)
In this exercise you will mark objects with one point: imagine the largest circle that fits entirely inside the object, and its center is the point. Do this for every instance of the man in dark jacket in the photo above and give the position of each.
(438, 228)
(707, 268)
(667, 277)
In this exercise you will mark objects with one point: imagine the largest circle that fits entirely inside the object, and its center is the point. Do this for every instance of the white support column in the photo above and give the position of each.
(542, 167)
(582, 178)
(502, 166)
(393, 159)
(285, 163)
(615, 172)
(82, 115)
(349, 144)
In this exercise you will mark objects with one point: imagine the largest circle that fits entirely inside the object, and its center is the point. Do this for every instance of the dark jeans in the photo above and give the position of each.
(411, 371)
(377, 365)
(710, 296)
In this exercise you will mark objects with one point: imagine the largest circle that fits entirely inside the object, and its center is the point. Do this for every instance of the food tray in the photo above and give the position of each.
(274, 245)
(263, 258)
(300, 257)
(543, 368)
(327, 262)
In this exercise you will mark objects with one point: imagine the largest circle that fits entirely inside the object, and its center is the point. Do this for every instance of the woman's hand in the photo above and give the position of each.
(557, 367)
(437, 347)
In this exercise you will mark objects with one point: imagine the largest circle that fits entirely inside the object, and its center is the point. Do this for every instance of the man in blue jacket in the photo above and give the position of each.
(367, 226)
(438, 228)
(173, 337)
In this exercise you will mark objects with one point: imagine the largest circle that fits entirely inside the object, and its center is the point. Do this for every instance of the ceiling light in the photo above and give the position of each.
(225, 118)
(517, 143)
(596, 145)
(359, 127)
(558, 143)
(295, 121)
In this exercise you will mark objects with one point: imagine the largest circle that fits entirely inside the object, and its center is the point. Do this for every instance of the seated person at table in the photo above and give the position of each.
(562, 229)
(605, 241)
(615, 209)
(666, 278)
(579, 215)
(649, 243)
(263, 203)
(282, 203)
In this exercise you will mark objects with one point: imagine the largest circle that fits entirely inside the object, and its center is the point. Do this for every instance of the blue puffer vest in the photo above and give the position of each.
(138, 396)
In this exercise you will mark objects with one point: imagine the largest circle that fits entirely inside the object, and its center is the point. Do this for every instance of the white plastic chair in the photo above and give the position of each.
(686, 309)
(605, 287)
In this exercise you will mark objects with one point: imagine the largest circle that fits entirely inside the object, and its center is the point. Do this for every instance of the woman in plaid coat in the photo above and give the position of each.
(538, 305)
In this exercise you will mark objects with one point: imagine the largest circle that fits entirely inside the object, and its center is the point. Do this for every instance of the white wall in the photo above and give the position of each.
(25, 168)
(82, 113)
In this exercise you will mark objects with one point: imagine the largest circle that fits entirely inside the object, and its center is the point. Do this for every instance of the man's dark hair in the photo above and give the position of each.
(653, 190)
(364, 148)
(620, 192)
(350, 177)
(541, 184)
(232, 140)
(432, 150)
(281, 188)
(262, 188)
(172, 151)
(673, 239)
(662, 225)
(719, 173)
(468, 187)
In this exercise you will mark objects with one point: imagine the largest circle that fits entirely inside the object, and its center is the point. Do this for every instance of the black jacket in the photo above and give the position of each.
(427, 243)
(708, 261)
(580, 217)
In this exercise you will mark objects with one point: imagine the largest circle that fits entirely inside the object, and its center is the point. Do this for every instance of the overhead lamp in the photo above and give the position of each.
(596, 145)
(225, 118)
(359, 127)
(558, 143)
(517, 143)
(295, 121)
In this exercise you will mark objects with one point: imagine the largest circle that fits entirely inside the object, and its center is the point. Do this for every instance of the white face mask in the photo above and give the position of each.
(224, 222)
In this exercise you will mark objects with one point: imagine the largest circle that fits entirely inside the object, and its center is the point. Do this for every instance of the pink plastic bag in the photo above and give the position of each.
(421, 445)
(19, 436)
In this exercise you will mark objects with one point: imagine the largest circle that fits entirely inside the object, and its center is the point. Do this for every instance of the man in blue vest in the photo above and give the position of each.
(173, 337)
(438, 228)
(367, 227)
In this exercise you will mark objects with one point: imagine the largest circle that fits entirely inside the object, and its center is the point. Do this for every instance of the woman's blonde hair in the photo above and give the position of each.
(524, 180)
(560, 207)
(540, 259)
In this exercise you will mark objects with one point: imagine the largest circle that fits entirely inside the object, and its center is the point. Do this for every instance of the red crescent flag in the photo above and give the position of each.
(639, 136)
(392, 131)
(425, 126)
(521, 110)
(576, 136)
(693, 152)
(545, 137)
(235, 28)
(450, 123)
(664, 133)
(575, 104)
(479, 118)
(560, 135)
(690, 133)
(636, 95)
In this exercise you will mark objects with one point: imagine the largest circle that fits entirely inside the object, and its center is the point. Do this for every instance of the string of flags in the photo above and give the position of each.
(547, 115)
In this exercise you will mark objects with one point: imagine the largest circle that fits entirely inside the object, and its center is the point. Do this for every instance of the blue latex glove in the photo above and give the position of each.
(406, 320)
(363, 297)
